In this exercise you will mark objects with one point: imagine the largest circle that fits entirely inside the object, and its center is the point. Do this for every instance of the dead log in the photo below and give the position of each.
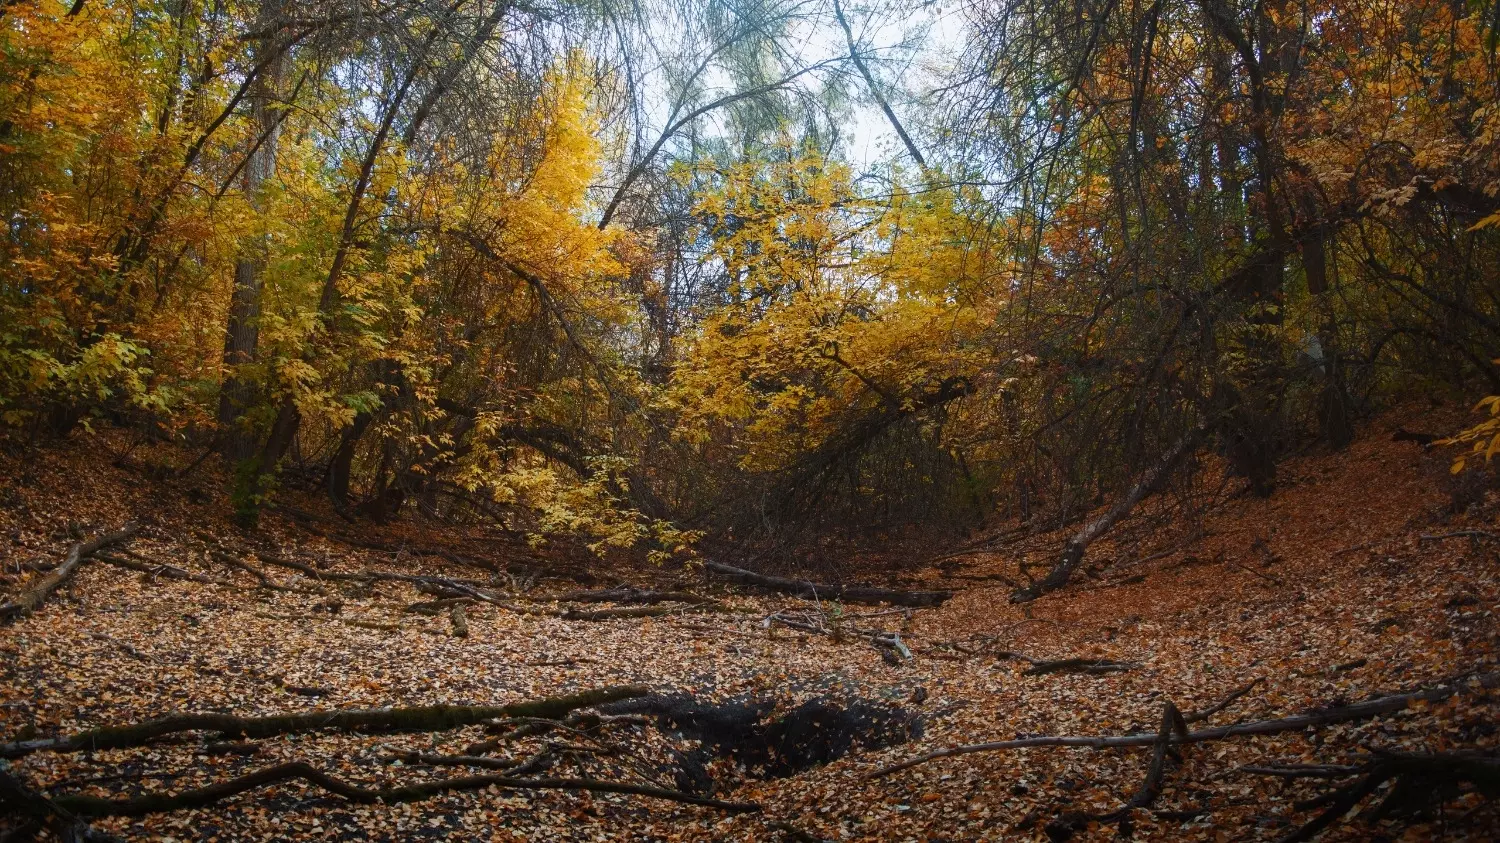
(406, 756)
(155, 803)
(307, 521)
(436, 607)
(1072, 555)
(33, 597)
(1172, 722)
(427, 718)
(820, 591)
(1317, 717)
(456, 585)
(261, 576)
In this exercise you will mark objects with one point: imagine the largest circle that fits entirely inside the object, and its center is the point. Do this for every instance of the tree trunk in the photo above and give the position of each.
(1072, 555)
(288, 419)
(243, 331)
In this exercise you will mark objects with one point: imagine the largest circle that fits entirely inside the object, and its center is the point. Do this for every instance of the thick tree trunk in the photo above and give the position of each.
(1072, 555)
(288, 418)
(242, 334)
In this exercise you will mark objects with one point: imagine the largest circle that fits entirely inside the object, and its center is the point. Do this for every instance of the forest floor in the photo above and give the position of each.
(1357, 579)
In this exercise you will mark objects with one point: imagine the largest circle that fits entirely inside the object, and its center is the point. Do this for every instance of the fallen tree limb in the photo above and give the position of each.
(261, 576)
(1145, 797)
(632, 612)
(1458, 534)
(33, 597)
(1418, 779)
(1172, 722)
(818, 591)
(19, 800)
(1318, 717)
(161, 569)
(1303, 771)
(436, 607)
(406, 756)
(1089, 666)
(307, 521)
(631, 596)
(155, 803)
(465, 587)
(429, 718)
(359, 622)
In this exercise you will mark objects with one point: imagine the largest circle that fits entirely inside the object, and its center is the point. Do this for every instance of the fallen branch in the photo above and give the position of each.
(19, 800)
(436, 607)
(429, 718)
(422, 582)
(892, 649)
(1198, 716)
(1319, 717)
(1418, 779)
(362, 624)
(1073, 551)
(1303, 771)
(306, 520)
(632, 612)
(32, 598)
(628, 595)
(1171, 722)
(816, 591)
(155, 803)
(1092, 667)
(1459, 534)
(161, 569)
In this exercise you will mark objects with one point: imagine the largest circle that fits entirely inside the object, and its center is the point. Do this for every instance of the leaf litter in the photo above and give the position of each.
(1356, 581)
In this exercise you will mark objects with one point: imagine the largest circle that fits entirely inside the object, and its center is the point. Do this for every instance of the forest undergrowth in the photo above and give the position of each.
(1361, 599)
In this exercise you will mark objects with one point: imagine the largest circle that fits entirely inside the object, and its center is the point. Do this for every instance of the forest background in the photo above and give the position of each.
(762, 276)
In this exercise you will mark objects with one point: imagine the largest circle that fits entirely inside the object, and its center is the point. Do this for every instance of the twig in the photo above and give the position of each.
(1234, 695)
